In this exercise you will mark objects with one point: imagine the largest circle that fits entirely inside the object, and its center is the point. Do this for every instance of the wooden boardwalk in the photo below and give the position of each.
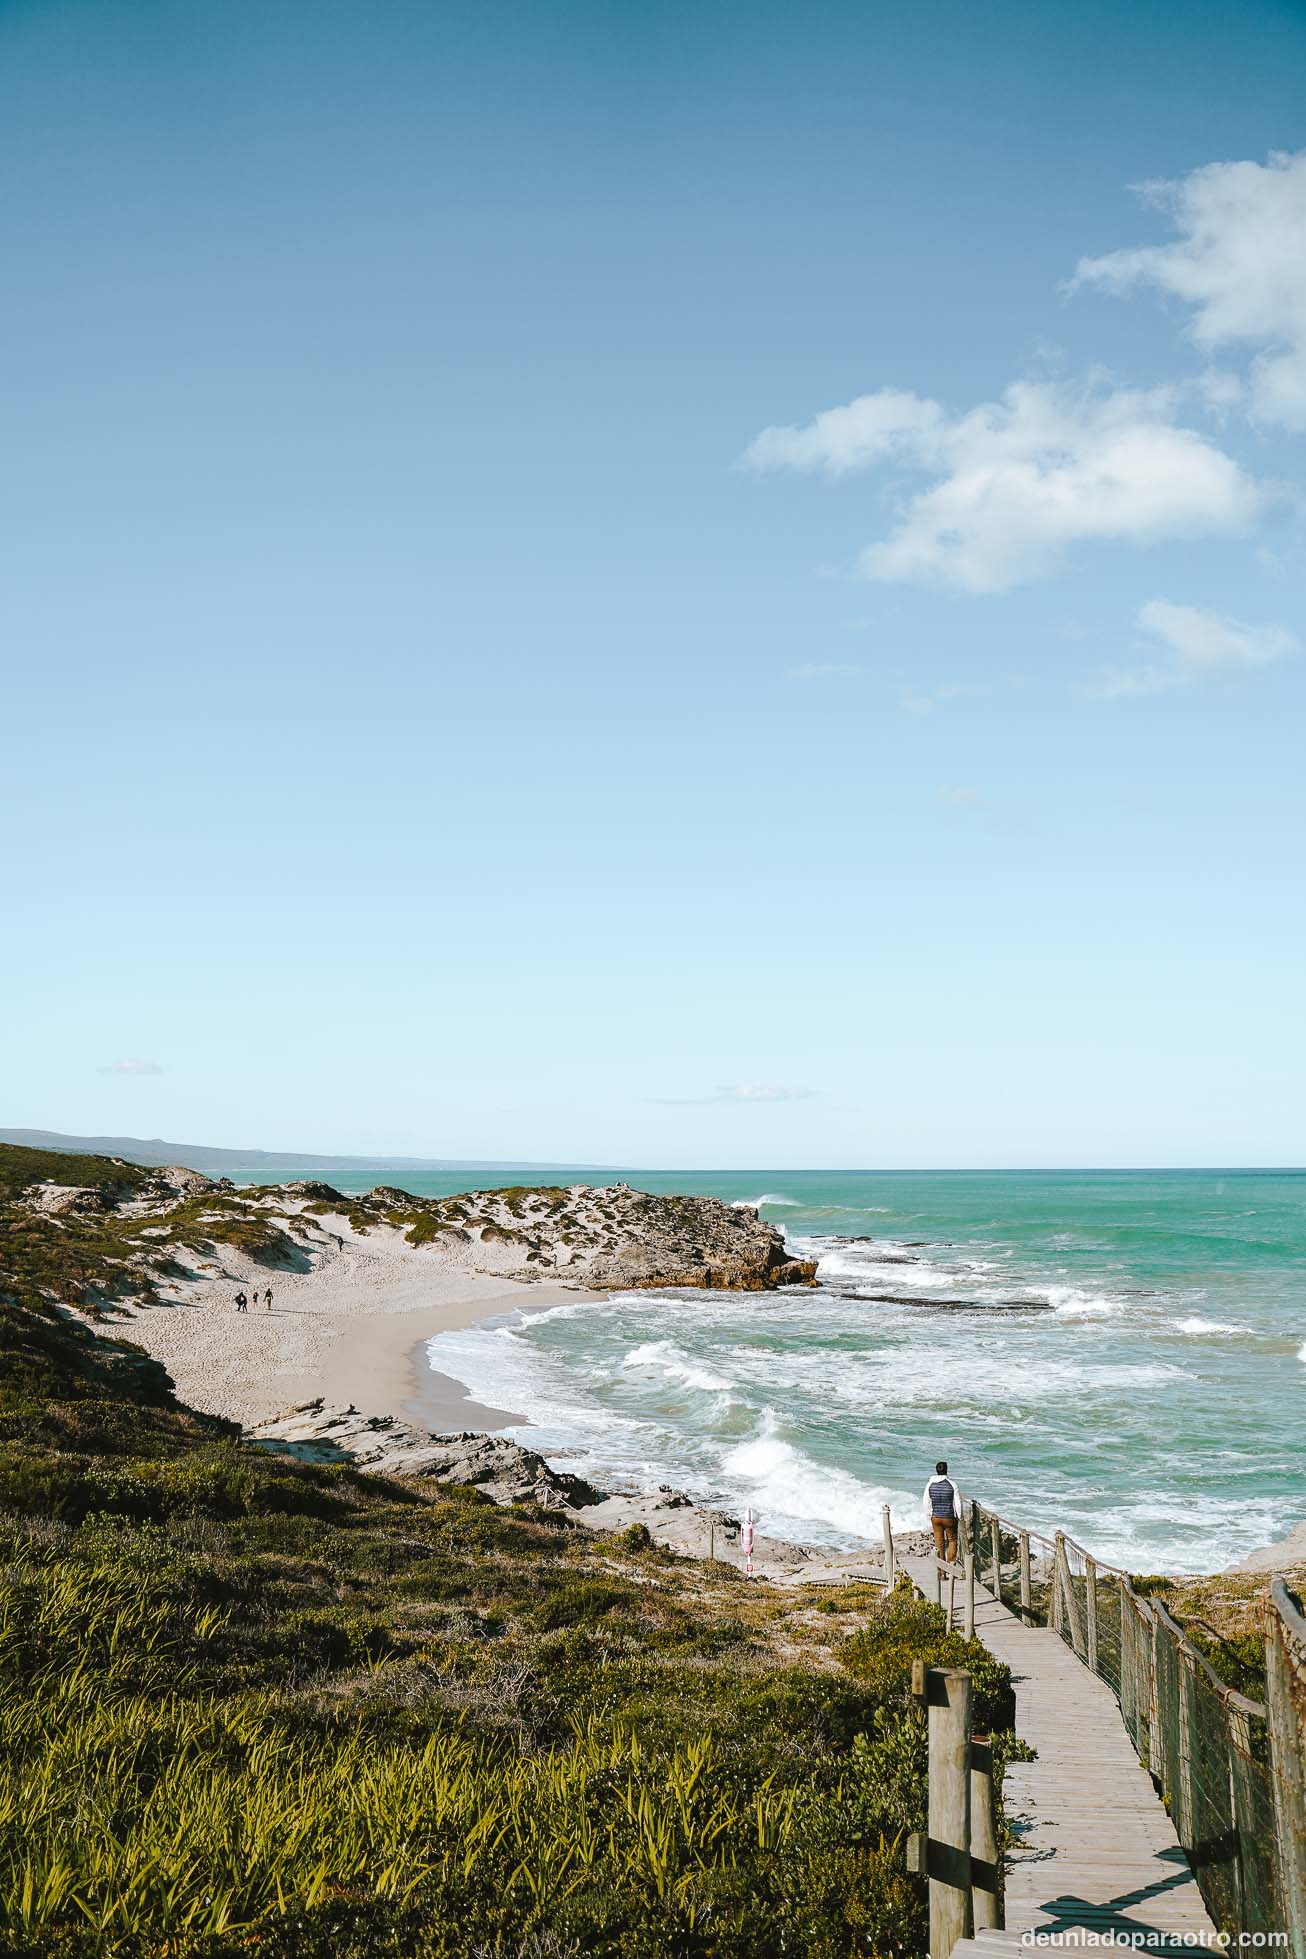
(1097, 1849)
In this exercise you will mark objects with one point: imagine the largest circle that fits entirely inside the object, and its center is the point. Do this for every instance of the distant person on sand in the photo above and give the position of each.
(267, 1299)
(943, 1511)
(242, 1304)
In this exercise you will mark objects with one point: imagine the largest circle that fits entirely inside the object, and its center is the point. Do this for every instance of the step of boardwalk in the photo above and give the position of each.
(1096, 1849)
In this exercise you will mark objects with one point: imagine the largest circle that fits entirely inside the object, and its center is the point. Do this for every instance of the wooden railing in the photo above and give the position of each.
(1232, 1770)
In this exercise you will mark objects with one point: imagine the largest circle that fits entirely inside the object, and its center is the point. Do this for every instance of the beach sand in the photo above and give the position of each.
(350, 1327)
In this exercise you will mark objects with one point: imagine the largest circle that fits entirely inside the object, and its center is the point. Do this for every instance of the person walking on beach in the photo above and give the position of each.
(267, 1300)
(242, 1304)
(943, 1511)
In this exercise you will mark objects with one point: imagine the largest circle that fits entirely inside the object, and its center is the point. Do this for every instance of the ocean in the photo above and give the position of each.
(1121, 1354)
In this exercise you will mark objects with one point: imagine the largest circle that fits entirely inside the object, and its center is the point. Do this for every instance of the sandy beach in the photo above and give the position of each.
(350, 1327)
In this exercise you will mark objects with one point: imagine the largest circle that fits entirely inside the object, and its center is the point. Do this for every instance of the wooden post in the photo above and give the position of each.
(1068, 1597)
(1128, 1689)
(1182, 1810)
(1090, 1614)
(1026, 1591)
(952, 1597)
(1287, 1759)
(1155, 1752)
(1242, 1800)
(938, 1582)
(1054, 1598)
(948, 1697)
(995, 1555)
(886, 1524)
(970, 1597)
(986, 1906)
(711, 1540)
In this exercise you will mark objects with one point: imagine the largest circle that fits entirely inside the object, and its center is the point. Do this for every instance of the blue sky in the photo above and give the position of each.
(667, 585)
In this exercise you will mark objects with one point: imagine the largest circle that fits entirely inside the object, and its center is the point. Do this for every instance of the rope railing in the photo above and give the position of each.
(1232, 1770)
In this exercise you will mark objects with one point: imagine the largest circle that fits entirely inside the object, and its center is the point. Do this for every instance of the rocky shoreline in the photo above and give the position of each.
(506, 1471)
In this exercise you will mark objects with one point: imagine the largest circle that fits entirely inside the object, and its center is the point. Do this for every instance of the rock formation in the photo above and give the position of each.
(388, 1447)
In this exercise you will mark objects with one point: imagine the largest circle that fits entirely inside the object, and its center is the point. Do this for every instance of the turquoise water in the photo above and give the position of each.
(1121, 1353)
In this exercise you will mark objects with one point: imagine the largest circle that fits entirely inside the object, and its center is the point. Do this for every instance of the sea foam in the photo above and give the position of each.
(789, 1488)
(1196, 1324)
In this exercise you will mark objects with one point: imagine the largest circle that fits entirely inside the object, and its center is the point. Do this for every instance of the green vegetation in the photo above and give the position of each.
(116, 1228)
(1223, 1617)
(256, 1706)
(21, 1168)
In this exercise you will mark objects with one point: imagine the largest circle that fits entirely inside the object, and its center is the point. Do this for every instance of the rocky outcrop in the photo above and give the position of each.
(603, 1237)
(695, 1241)
(387, 1447)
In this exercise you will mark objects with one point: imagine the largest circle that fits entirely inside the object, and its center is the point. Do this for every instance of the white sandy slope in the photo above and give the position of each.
(349, 1328)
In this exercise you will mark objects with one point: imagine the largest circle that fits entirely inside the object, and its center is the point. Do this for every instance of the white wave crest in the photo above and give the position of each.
(767, 1197)
(788, 1488)
(668, 1360)
(1196, 1324)
(1073, 1304)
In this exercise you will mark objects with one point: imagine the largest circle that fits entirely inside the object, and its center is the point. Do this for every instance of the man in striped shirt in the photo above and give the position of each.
(943, 1511)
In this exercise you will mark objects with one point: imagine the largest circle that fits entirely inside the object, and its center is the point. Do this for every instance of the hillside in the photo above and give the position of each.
(88, 1230)
(217, 1161)
(256, 1705)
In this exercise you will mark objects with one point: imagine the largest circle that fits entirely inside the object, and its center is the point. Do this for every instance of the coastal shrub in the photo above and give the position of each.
(903, 1629)
(362, 1762)
(20, 1168)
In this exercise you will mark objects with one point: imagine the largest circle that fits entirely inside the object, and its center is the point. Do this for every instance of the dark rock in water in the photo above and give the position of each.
(929, 1303)
(923, 1300)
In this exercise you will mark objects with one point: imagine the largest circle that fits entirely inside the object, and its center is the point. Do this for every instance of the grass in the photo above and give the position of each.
(416, 1724)
(1223, 1616)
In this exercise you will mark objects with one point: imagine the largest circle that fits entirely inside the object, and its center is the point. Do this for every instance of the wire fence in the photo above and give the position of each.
(1232, 1771)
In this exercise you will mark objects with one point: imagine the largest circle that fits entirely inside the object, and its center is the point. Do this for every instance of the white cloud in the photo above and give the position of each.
(1239, 260)
(131, 1068)
(1132, 683)
(866, 431)
(742, 1092)
(936, 697)
(824, 670)
(1200, 644)
(1021, 480)
(962, 799)
(1203, 641)
(1220, 390)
